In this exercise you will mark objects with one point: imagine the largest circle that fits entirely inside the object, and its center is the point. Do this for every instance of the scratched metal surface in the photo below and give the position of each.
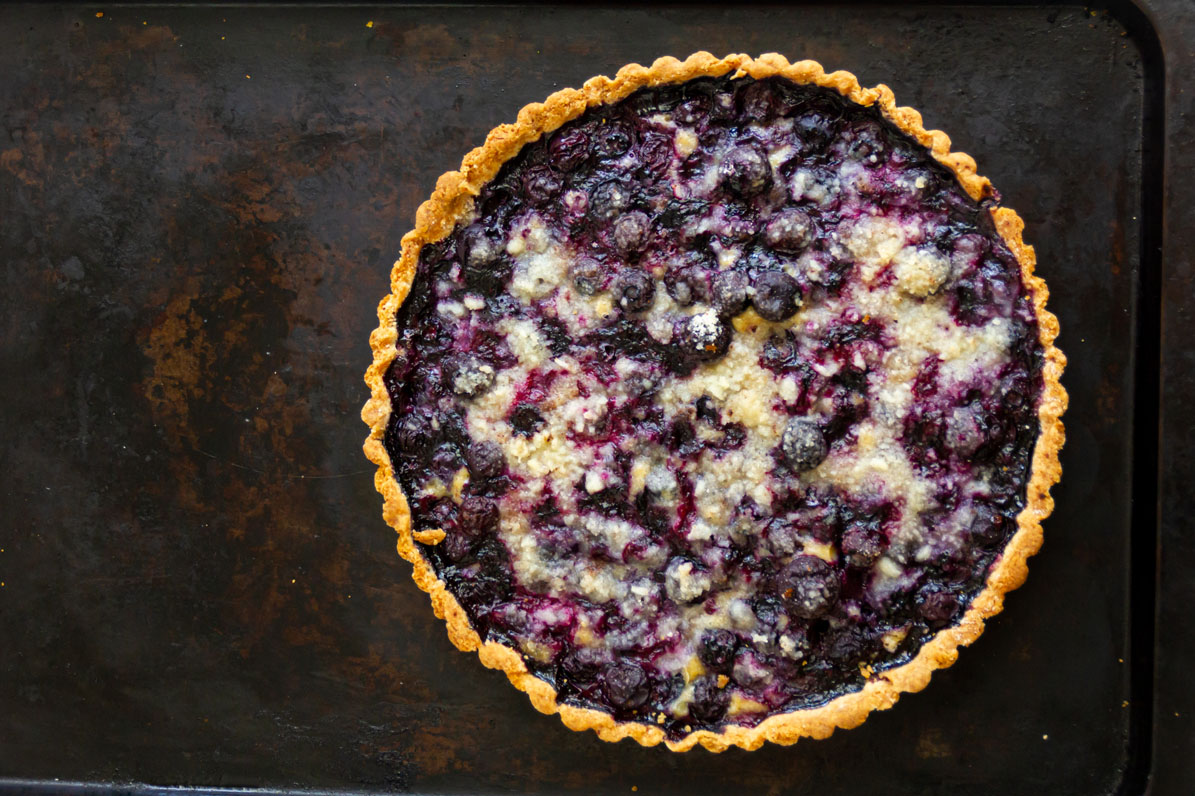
(198, 210)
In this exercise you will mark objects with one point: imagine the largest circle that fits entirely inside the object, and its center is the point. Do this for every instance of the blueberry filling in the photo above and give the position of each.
(724, 397)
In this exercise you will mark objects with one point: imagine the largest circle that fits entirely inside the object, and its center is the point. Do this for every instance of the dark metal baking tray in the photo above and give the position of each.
(198, 210)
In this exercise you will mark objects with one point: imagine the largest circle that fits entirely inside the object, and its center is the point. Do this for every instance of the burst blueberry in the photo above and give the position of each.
(813, 131)
(655, 153)
(456, 546)
(937, 606)
(847, 647)
(478, 515)
(693, 111)
(582, 664)
(416, 436)
(760, 102)
(988, 526)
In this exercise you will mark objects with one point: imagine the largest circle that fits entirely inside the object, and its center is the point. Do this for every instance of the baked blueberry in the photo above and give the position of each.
(760, 100)
(709, 700)
(803, 445)
(775, 295)
(789, 231)
(569, 149)
(582, 664)
(717, 649)
(457, 546)
(809, 587)
(478, 515)
(812, 130)
(634, 290)
(745, 170)
(704, 335)
(655, 153)
(588, 275)
(608, 200)
(987, 526)
(486, 459)
(861, 547)
(542, 185)
(693, 111)
(688, 285)
(730, 293)
(626, 685)
(612, 140)
(847, 647)
(937, 606)
(470, 376)
(867, 144)
(631, 233)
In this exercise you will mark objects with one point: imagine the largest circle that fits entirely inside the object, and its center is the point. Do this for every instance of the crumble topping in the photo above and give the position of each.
(723, 398)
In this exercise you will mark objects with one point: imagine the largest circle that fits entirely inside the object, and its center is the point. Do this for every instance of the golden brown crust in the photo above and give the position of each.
(453, 198)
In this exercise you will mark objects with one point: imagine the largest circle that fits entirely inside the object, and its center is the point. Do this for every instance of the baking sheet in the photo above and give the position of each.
(198, 210)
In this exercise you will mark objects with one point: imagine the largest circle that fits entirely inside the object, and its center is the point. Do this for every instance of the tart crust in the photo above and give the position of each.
(453, 198)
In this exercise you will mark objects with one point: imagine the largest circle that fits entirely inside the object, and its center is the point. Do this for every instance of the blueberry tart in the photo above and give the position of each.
(716, 403)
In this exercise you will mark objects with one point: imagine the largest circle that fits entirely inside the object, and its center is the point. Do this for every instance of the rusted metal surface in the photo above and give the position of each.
(198, 211)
